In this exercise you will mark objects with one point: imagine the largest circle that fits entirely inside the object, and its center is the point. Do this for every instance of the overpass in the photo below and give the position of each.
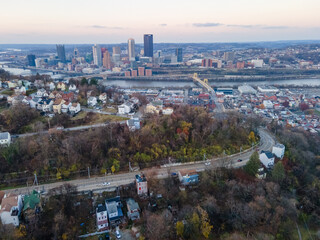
(204, 83)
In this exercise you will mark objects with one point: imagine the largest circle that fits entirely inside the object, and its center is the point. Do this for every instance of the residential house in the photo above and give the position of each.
(167, 111)
(267, 159)
(12, 84)
(50, 86)
(61, 86)
(45, 105)
(188, 177)
(102, 217)
(34, 102)
(103, 97)
(10, 210)
(141, 184)
(125, 108)
(57, 106)
(133, 209)
(73, 88)
(133, 124)
(31, 206)
(68, 97)
(42, 93)
(261, 173)
(278, 150)
(65, 107)
(39, 83)
(114, 210)
(92, 101)
(5, 138)
(74, 108)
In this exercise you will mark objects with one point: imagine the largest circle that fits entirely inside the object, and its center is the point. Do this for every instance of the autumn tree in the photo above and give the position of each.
(253, 164)
(278, 172)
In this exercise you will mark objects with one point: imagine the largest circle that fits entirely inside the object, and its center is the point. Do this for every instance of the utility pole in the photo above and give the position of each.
(35, 180)
(88, 172)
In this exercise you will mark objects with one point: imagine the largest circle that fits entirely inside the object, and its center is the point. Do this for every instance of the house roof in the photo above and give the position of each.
(8, 202)
(101, 208)
(31, 200)
(4, 135)
(268, 154)
(132, 204)
(188, 172)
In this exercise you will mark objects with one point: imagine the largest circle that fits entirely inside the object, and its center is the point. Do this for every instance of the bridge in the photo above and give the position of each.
(205, 84)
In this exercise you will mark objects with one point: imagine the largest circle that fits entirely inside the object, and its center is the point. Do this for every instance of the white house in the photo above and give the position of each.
(267, 159)
(278, 150)
(167, 111)
(10, 209)
(125, 108)
(73, 88)
(92, 101)
(267, 104)
(102, 217)
(42, 93)
(75, 108)
(65, 107)
(103, 97)
(141, 184)
(133, 124)
(5, 139)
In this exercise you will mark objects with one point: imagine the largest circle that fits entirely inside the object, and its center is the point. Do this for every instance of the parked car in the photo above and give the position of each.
(207, 163)
(118, 234)
(239, 160)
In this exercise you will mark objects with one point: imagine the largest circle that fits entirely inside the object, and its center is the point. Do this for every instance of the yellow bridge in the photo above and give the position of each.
(203, 83)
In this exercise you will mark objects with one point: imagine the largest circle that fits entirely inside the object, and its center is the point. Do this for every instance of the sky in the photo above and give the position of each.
(114, 21)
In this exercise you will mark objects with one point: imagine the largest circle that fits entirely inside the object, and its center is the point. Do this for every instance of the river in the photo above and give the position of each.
(165, 84)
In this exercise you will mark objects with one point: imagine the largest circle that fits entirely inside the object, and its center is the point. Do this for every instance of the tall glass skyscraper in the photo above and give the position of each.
(61, 53)
(179, 54)
(97, 55)
(148, 45)
(131, 50)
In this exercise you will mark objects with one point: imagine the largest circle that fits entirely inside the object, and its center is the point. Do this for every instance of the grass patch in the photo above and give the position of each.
(316, 112)
(30, 91)
(8, 92)
(88, 118)
(108, 109)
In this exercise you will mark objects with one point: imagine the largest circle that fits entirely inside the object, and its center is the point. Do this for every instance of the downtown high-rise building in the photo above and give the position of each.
(131, 50)
(106, 60)
(76, 52)
(97, 56)
(148, 45)
(116, 50)
(179, 54)
(31, 60)
(61, 53)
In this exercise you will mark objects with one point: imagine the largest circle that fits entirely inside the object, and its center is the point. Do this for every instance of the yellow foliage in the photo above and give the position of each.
(180, 228)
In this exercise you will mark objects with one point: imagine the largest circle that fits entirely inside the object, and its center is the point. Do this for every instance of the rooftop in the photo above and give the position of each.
(4, 135)
(141, 178)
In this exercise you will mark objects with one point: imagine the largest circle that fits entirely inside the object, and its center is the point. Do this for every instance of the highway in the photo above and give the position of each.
(95, 183)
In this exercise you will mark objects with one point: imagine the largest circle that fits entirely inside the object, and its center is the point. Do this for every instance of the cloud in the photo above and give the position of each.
(207, 24)
(275, 27)
(243, 25)
(257, 26)
(103, 27)
(163, 25)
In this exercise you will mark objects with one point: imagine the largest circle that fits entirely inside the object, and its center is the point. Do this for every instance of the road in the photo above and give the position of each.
(67, 129)
(95, 183)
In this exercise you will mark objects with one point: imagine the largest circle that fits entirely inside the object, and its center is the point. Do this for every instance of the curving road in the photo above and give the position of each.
(96, 183)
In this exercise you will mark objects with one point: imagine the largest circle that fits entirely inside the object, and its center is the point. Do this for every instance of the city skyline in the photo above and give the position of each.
(180, 21)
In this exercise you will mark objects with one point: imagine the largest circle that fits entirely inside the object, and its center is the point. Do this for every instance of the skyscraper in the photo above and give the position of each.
(31, 60)
(76, 53)
(106, 60)
(131, 50)
(148, 45)
(116, 50)
(97, 58)
(179, 54)
(61, 53)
